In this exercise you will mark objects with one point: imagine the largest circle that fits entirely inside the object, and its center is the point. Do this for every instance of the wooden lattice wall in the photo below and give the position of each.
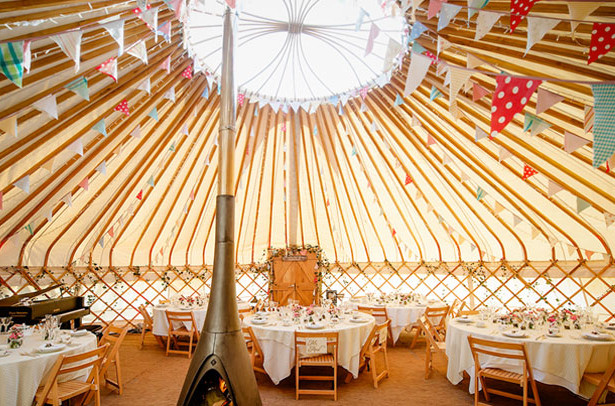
(115, 293)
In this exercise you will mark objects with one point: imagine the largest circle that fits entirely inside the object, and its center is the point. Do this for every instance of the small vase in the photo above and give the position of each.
(15, 342)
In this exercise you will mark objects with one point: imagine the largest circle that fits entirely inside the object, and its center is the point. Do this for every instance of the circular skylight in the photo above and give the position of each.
(300, 50)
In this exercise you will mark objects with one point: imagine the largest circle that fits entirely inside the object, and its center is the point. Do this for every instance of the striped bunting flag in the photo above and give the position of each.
(11, 61)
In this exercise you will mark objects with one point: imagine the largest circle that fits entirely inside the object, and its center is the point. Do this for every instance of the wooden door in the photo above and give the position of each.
(294, 278)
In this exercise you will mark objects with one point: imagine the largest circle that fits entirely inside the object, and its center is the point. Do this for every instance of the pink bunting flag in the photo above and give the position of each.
(166, 65)
(546, 100)
(241, 98)
(85, 184)
(528, 172)
(231, 3)
(430, 140)
(603, 40)
(140, 195)
(510, 97)
(374, 31)
(109, 68)
(478, 92)
(434, 8)
(519, 9)
(187, 73)
(111, 233)
(123, 107)
(573, 142)
(192, 195)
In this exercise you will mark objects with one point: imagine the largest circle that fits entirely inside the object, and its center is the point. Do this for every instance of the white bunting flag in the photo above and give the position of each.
(553, 188)
(70, 44)
(579, 11)
(419, 65)
(609, 219)
(504, 154)
(23, 184)
(573, 142)
(443, 45)
(458, 79)
(185, 130)
(484, 22)
(139, 50)
(145, 86)
(393, 50)
(537, 27)
(68, 199)
(49, 215)
(447, 13)
(102, 168)
(136, 133)
(150, 17)
(170, 94)
(116, 30)
(76, 147)
(479, 133)
(9, 125)
(516, 220)
(360, 17)
(473, 62)
(48, 105)
(464, 177)
(374, 31)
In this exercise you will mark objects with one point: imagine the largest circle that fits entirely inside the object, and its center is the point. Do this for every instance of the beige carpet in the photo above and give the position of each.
(152, 379)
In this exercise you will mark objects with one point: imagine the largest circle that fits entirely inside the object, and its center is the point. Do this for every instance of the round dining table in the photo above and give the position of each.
(161, 325)
(401, 315)
(24, 369)
(554, 360)
(277, 340)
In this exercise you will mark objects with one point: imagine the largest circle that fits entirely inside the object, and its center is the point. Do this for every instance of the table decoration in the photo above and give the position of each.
(15, 339)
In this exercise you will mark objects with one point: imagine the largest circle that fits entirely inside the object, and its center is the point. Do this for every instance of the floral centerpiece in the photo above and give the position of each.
(568, 318)
(334, 312)
(309, 312)
(186, 301)
(15, 339)
(296, 311)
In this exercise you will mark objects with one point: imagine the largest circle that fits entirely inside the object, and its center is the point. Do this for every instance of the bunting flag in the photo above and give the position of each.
(604, 123)
(546, 100)
(76, 147)
(27, 55)
(79, 86)
(123, 107)
(150, 17)
(417, 30)
(23, 184)
(68, 199)
(479, 133)
(434, 8)
(534, 124)
(553, 188)
(434, 94)
(443, 45)
(109, 68)
(166, 65)
(518, 10)
(136, 133)
(537, 27)
(603, 40)
(458, 79)
(588, 119)
(49, 165)
(535, 232)
(446, 159)
(186, 132)
(510, 97)
(241, 99)
(116, 30)
(353, 152)
(374, 31)
(101, 242)
(70, 44)
(582, 204)
(394, 48)
(29, 229)
(516, 220)
(398, 100)
(140, 194)
(408, 180)
(528, 172)
(146, 86)
(417, 48)
(187, 73)
(139, 50)
(172, 147)
(589, 254)
(419, 65)
(478, 92)
(430, 140)
(153, 114)
(474, 6)
(150, 181)
(464, 177)
(447, 13)
(480, 193)
(573, 142)
(47, 105)
(85, 184)
(484, 23)
(579, 11)
(111, 232)
(504, 154)
(362, 14)
(102, 168)
(165, 31)
(609, 218)
(170, 94)
(12, 60)
(100, 127)
(9, 125)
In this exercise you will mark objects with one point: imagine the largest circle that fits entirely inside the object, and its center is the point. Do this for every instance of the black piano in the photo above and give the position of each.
(27, 308)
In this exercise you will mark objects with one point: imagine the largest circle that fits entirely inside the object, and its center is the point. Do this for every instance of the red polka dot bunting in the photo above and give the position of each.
(187, 72)
(603, 40)
(240, 98)
(528, 171)
(109, 68)
(434, 59)
(123, 107)
(519, 9)
(140, 195)
(510, 96)
(408, 179)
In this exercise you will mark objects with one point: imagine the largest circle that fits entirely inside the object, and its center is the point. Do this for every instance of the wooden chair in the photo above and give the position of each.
(328, 359)
(54, 392)
(114, 336)
(148, 325)
(244, 312)
(182, 331)
(456, 308)
(435, 343)
(604, 383)
(254, 349)
(376, 343)
(511, 351)
(437, 316)
(381, 316)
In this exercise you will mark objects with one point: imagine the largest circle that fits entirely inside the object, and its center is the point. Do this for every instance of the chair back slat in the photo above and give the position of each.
(147, 318)
(179, 316)
(431, 333)
(437, 315)
(488, 347)
(91, 358)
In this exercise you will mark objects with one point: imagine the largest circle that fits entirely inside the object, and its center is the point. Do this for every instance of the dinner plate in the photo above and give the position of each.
(79, 333)
(261, 313)
(358, 320)
(464, 320)
(4, 353)
(259, 321)
(51, 348)
(597, 336)
(515, 334)
(555, 335)
(314, 326)
(610, 326)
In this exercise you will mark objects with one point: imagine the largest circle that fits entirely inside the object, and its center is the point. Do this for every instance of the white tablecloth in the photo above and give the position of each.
(21, 375)
(161, 325)
(555, 361)
(402, 315)
(278, 345)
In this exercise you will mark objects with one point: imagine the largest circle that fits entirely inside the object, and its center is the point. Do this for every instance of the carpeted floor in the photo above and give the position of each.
(152, 379)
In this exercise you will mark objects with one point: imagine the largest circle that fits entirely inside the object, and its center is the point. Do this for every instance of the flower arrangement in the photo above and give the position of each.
(186, 301)
(334, 311)
(569, 318)
(15, 339)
